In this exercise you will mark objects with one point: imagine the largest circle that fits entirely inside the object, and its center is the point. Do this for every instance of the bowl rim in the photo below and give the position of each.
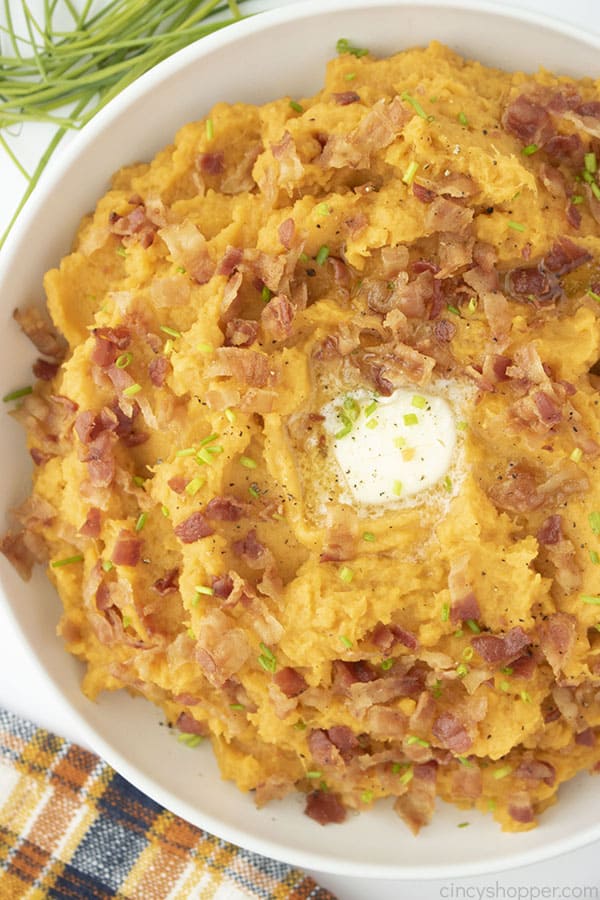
(56, 170)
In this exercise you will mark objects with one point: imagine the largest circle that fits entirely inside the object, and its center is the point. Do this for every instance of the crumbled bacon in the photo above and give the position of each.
(45, 370)
(345, 98)
(100, 459)
(193, 529)
(286, 232)
(135, 223)
(446, 215)
(451, 733)
(158, 369)
(188, 248)
(565, 256)
(290, 681)
(385, 636)
(168, 583)
(187, 724)
(40, 332)
(212, 163)
(239, 178)
(325, 808)
(250, 549)
(392, 366)
(345, 740)
(91, 526)
(127, 550)
(550, 531)
(341, 534)
(323, 750)
(501, 649)
(536, 770)
(230, 261)
(422, 193)
(565, 148)
(221, 648)
(240, 332)
(375, 131)
(520, 807)
(246, 366)
(464, 609)
(226, 508)
(277, 318)
(417, 805)
(557, 636)
(528, 121)
(586, 738)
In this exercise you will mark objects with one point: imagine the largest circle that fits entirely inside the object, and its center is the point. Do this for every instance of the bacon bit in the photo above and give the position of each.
(178, 483)
(222, 585)
(226, 508)
(565, 256)
(323, 751)
(158, 369)
(193, 529)
(188, 248)
(250, 549)
(100, 459)
(240, 179)
(168, 584)
(385, 636)
(21, 556)
(40, 331)
(464, 609)
(345, 98)
(277, 318)
(557, 636)
(341, 534)
(231, 260)
(451, 733)
(550, 532)
(356, 224)
(391, 366)
(221, 648)
(527, 121)
(423, 194)
(394, 260)
(375, 131)
(444, 330)
(91, 526)
(39, 457)
(211, 163)
(45, 370)
(566, 148)
(136, 223)
(289, 681)
(573, 215)
(345, 740)
(384, 723)
(467, 782)
(445, 215)
(501, 649)
(325, 808)
(586, 738)
(454, 253)
(524, 666)
(536, 770)
(187, 724)
(416, 807)
(286, 232)
(526, 282)
(240, 332)
(520, 808)
(127, 550)
(246, 366)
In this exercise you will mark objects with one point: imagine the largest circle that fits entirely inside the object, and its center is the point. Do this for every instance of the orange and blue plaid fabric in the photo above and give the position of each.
(72, 829)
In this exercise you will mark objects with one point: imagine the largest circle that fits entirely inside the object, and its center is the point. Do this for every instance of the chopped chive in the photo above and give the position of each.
(467, 653)
(253, 491)
(473, 626)
(138, 480)
(170, 331)
(447, 483)
(107, 565)
(314, 773)
(141, 521)
(205, 348)
(180, 270)
(491, 805)
(322, 209)
(516, 226)
(409, 175)
(413, 739)
(193, 486)
(463, 824)
(343, 432)
(400, 443)
(343, 46)
(349, 76)
(465, 762)
(168, 348)
(132, 390)
(366, 796)
(370, 408)
(415, 105)
(237, 706)
(16, 395)
(594, 558)
(501, 773)
(458, 633)
(587, 177)
(576, 455)
(368, 536)
(322, 255)
(472, 305)
(461, 426)
(248, 462)
(593, 295)
(123, 360)
(190, 740)
(303, 258)
(126, 621)
(397, 488)
(203, 457)
(210, 129)
(595, 190)
(576, 199)
(187, 451)
(346, 641)
(453, 309)
(209, 439)
(346, 574)
(525, 696)
(407, 776)
(590, 163)
(587, 598)
(230, 416)
(410, 419)
(204, 589)
(121, 251)
(507, 670)
(297, 107)
(445, 614)
(387, 664)
(190, 634)
(265, 294)
(594, 520)
(267, 652)
(463, 119)
(462, 670)
(436, 690)
(67, 561)
(530, 149)
(165, 511)
(372, 423)
(419, 401)
(267, 664)
(505, 686)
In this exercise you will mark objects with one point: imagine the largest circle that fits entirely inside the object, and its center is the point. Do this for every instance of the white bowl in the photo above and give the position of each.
(277, 53)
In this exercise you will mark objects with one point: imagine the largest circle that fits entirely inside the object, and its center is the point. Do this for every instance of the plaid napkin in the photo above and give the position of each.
(71, 827)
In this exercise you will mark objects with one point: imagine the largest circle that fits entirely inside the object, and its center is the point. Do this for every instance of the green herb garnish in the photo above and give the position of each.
(297, 107)
(20, 392)
(343, 46)
(530, 149)
(69, 560)
(322, 255)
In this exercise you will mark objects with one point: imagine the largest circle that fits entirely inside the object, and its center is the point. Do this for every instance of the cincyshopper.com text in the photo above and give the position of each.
(498, 891)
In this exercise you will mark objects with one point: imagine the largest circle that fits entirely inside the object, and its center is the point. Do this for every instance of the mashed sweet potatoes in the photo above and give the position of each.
(422, 222)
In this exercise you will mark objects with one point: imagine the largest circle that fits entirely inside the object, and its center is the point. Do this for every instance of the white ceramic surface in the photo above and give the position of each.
(279, 53)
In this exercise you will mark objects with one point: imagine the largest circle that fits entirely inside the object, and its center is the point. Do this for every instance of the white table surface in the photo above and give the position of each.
(574, 875)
